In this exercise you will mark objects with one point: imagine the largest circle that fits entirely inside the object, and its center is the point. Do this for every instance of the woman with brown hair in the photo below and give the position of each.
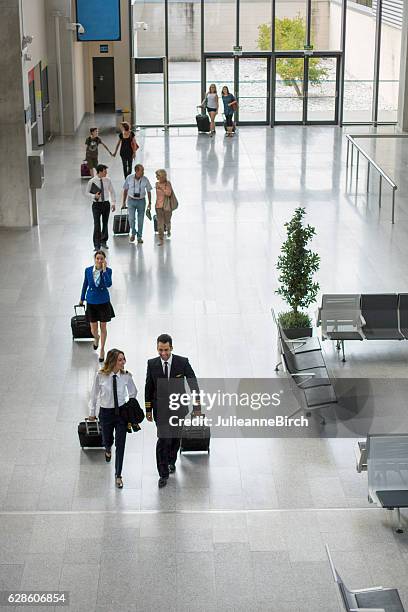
(113, 386)
(211, 103)
(128, 147)
(99, 309)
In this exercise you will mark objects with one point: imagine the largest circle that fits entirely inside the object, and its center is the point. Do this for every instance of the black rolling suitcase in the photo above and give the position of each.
(81, 328)
(121, 223)
(203, 122)
(195, 438)
(90, 434)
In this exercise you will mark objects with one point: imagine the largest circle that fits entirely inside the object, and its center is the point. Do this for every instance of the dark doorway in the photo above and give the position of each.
(104, 84)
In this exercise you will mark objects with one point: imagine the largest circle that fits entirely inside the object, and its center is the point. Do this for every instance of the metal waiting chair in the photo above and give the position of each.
(341, 319)
(380, 312)
(387, 472)
(298, 345)
(403, 314)
(366, 600)
(309, 372)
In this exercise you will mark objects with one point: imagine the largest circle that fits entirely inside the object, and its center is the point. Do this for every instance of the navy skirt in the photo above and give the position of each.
(99, 312)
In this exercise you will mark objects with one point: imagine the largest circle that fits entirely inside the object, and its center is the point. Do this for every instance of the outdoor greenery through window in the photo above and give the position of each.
(364, 2)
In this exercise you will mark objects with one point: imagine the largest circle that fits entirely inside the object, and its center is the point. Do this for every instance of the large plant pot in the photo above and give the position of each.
(298, 332)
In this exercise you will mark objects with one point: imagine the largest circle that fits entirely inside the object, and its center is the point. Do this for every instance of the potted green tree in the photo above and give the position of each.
(297, 264)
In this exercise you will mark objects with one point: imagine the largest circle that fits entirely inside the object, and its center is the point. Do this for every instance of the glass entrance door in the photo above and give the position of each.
(247, 77)
(305, 88)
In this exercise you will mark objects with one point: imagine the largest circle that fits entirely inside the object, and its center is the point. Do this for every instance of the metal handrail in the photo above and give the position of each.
(383, 175)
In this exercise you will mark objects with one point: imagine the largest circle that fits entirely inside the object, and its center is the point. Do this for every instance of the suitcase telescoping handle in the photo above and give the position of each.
(90, 425)
(78, 306)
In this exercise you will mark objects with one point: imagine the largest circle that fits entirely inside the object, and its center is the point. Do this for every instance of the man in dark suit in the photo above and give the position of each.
(166, 375)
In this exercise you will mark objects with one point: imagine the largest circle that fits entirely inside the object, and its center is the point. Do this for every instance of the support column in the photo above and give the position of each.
(403, 89)
(15, 200)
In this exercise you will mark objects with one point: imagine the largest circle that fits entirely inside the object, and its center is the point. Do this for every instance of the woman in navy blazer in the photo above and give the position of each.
(98, 307)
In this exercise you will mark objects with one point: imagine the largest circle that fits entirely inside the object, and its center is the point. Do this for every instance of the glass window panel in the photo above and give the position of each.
(289, 91)
(255, 32)
(219, 25)
(359, 67)
(321, 97)
(253, 89)
(390, 58)
(290, 25)
(184, 61)
(149, 94)
(326, 26)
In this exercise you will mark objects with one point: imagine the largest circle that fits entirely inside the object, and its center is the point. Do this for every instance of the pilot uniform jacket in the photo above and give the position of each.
(157, 391)
(93, 294)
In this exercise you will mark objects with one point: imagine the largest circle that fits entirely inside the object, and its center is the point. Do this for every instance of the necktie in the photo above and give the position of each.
(102, 192)
(115, 394)
(166, 369)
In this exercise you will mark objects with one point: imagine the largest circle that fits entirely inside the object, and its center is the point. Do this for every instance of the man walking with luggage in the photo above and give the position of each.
(134, 190)
(99, 189)
(166, 375)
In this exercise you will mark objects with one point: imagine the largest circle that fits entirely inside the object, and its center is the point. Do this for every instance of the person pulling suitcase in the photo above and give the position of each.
(99, 309)
(99, 189)
(112, 388)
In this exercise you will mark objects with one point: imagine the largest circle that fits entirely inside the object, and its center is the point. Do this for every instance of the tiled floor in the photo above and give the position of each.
(245, 527)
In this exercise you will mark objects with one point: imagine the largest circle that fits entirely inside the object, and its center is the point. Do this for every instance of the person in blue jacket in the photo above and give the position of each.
(98, 307)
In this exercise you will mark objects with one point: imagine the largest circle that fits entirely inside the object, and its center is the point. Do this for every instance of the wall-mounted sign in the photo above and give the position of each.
(99, 18)
(103, 48)
(237, 50)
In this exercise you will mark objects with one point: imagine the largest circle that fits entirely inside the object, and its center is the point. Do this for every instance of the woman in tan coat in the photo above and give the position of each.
(163, 210)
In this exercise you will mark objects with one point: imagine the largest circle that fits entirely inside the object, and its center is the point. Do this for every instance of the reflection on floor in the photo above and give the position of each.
(245, 527)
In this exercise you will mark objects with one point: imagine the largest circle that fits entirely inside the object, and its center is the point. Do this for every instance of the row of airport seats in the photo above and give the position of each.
(303, 360)
(377, 316)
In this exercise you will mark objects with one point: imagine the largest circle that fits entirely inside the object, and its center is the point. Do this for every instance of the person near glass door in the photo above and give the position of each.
(211, 103)
(230, 105)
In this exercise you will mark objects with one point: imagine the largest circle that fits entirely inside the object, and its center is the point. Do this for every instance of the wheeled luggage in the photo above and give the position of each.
(195, 438)
(90, 434)
(81, 328)
(85, 171)
(203, 123)
(121, 223)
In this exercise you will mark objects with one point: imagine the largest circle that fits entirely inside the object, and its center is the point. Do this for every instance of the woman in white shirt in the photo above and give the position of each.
(113, 386)
(211, 103)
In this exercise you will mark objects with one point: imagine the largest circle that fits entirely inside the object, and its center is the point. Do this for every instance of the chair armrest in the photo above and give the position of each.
(308, 376)
(371, 589)
(318, 317)
(362, 320)
(367, 610)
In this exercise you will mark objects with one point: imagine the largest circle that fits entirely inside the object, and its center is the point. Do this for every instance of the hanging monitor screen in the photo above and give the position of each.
(99, 18)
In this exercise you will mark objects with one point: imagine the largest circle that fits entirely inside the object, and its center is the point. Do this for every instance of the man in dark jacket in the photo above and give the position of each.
(165, 376)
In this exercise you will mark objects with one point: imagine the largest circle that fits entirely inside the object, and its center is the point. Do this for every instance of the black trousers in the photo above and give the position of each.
(127, 166)
(100, 210)
(228, 120)
(166, 452)
(114, 423)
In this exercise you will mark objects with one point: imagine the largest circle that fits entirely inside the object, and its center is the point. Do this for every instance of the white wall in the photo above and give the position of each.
(34, 24)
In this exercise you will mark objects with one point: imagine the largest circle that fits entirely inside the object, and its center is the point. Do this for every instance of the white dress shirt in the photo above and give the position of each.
(108, 189)
(102, 391)
(169, 362)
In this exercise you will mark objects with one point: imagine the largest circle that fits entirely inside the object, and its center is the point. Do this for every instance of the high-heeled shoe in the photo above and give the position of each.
(95, 346)
(119, 482)
(102, 359)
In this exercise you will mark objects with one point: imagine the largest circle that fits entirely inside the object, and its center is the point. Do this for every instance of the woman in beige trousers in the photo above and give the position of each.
(163, 210)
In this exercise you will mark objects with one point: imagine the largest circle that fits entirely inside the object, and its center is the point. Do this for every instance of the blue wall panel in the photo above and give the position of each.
(100, 18)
